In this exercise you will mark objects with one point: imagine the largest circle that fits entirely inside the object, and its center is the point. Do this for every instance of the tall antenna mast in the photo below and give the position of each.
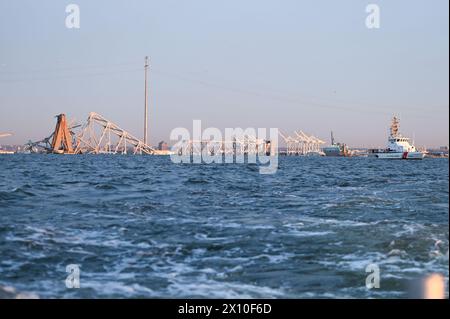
(146, 102)
(394, 127)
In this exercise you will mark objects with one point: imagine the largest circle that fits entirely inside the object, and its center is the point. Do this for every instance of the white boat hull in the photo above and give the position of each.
(398, 155)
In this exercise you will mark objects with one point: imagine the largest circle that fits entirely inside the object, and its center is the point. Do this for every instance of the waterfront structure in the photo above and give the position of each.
(244, 145)
(2, 151)
(302, 144)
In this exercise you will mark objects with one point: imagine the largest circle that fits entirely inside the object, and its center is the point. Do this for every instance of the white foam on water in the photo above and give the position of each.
(202, 236)
(274, 259)
(355, 262)
(299, 233)
(207, 288)
(397, 252)
(315, 221)
(108, 288)
(198, 252)
(409, 229)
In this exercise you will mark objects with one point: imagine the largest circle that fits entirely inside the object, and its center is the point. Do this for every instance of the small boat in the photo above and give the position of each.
(336, 149)
(399, 147)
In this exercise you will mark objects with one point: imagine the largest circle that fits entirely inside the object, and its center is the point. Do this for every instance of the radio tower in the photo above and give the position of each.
(146, 102)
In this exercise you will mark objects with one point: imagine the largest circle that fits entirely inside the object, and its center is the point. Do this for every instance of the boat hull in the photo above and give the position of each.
(334, 151)
(398, 155)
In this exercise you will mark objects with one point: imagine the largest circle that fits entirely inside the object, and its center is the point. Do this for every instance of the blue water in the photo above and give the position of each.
(141, 226)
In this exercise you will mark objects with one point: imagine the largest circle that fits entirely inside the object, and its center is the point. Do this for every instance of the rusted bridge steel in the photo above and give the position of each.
(62, 139)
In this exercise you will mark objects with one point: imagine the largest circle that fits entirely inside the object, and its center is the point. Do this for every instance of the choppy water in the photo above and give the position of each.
(144, 227)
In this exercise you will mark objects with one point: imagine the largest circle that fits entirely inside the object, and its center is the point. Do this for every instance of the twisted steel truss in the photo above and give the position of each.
(101, 136)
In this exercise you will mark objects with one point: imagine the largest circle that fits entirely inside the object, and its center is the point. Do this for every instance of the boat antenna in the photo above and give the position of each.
(394, 126)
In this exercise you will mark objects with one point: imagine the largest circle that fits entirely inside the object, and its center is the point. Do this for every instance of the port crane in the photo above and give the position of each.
(302, 143)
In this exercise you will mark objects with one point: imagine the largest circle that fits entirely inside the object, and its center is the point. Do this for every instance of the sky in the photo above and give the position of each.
(295, 65)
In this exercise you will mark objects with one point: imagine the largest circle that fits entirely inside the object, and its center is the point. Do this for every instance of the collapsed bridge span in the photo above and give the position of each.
(101, 136)
(97, 136)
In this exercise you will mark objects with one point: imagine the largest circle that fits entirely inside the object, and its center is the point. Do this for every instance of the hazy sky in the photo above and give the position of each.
(310, 65)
